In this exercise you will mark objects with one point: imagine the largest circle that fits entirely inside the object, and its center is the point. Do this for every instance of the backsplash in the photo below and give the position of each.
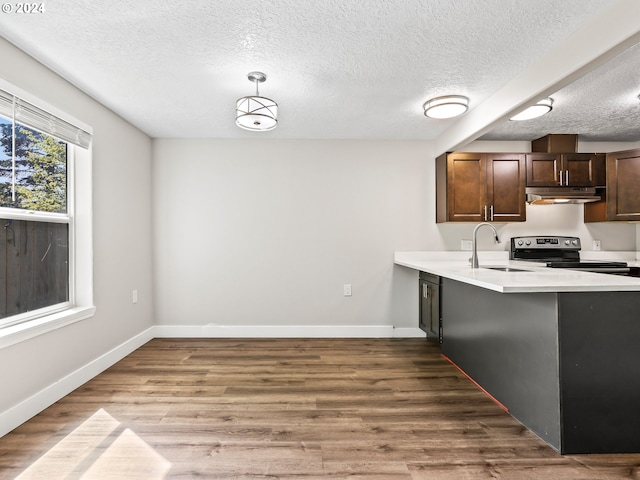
(567, 220)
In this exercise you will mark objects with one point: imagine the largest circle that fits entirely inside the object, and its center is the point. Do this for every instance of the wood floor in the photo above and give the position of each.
(288, 409)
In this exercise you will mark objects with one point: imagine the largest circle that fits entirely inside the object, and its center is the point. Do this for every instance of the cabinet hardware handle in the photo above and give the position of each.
(492, 213)
(485, 213)
(566, 178)
(560, 177)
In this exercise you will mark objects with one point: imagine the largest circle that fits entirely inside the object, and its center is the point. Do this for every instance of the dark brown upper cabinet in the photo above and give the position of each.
(566, 169)
(622, 201)
(479, 187)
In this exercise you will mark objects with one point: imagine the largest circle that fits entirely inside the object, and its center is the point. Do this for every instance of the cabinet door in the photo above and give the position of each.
(543, 169)
(434, 319)
(623, 179)
(430, 306)
(424, 316)
(506, 187)
(582, 169)
(466, 187)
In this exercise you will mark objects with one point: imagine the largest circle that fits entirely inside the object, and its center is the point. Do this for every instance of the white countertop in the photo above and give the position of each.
(537, 278)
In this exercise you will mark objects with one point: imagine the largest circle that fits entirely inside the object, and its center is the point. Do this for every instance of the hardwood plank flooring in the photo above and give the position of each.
(288, 409)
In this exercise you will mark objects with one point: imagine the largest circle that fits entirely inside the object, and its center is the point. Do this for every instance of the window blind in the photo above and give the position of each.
(34, 117)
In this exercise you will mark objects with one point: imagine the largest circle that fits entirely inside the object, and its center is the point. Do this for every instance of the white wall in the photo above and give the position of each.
(122, 240)
(267, 232)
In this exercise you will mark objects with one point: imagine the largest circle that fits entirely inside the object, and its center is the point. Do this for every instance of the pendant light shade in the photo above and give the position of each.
(256, 113)
(543, 107)
(446, 107)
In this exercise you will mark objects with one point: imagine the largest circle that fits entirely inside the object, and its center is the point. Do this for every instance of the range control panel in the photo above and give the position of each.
(546, 243)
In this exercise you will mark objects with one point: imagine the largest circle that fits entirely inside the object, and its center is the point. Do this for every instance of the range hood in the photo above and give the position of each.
(561, 195)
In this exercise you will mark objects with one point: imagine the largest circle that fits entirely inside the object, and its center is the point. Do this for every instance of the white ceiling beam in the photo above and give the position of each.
(605, 36)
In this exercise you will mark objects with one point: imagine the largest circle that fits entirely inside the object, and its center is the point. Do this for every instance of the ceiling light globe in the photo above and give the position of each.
(257, 114)
(254, 112)
(543, 107)
(448, 106)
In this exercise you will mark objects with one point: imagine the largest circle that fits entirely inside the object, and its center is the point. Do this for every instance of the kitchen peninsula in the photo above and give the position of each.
(559, 349)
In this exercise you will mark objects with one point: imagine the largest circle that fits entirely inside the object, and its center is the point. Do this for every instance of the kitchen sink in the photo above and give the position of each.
(507, 269)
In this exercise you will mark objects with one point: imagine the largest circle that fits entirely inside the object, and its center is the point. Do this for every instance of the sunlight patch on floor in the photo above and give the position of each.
(99, 449)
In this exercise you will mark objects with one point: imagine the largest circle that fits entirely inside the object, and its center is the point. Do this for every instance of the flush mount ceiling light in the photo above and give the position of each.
(256, 113)
(543, 107)
(446, 107)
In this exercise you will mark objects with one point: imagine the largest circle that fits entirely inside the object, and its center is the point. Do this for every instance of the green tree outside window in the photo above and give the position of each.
(40, 170)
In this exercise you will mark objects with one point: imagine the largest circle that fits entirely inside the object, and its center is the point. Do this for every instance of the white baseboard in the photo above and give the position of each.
(23, 411)
(284, 331)
(20, 413)
(408, 333)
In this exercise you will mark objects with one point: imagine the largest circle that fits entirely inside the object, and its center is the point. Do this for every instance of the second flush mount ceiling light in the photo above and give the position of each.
(543, 107)
(447, 106)
(256, 113)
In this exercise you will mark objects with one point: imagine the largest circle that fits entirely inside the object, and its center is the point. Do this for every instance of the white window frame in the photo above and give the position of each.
(80, 306)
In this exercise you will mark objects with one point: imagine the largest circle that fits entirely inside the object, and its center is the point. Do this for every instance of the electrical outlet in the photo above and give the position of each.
(347, 290)
(466, 245)
(134, 296)
(596, 244)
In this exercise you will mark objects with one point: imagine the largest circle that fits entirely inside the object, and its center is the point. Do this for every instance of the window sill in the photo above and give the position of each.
(38, 326)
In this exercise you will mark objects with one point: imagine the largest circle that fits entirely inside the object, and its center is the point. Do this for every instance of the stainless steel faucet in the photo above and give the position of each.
(474, 246)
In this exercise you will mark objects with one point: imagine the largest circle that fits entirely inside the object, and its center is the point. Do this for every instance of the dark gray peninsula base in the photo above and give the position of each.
(566, 365)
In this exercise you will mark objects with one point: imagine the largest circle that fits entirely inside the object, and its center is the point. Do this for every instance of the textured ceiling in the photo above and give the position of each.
(601, 106)
(338, 69)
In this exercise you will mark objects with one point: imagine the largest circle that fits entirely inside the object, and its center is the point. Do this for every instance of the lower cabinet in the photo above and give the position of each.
(565, 364)
(430, 320)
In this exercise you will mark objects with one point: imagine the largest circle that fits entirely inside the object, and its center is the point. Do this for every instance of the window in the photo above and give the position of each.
(37, 212)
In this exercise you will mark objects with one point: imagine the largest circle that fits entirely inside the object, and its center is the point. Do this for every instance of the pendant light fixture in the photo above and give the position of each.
(256, 113)
(446, 107)
(543, 107)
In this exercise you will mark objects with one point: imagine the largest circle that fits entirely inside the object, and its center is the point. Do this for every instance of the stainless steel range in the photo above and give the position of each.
(563, 252)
